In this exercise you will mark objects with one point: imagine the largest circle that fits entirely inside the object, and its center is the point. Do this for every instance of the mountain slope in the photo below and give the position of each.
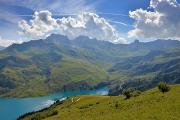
(37, 68)
(39, 79)
(58, 64)
(149, 105)
(146, 71)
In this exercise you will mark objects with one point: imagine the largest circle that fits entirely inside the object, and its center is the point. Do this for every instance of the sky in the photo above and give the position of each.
(117, 21)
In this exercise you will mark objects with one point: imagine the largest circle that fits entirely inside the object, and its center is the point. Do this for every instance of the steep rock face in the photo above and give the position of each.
(56, 63)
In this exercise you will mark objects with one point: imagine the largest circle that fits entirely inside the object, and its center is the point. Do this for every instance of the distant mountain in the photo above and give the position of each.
(58, 64)
(1, 47)
(147, 71)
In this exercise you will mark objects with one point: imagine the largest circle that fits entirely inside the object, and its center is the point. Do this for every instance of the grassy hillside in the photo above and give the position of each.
(150, 105)
(56, 63)
(37, 79)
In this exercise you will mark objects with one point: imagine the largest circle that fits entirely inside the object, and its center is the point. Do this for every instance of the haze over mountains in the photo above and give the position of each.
(1, 47)
(58, 64)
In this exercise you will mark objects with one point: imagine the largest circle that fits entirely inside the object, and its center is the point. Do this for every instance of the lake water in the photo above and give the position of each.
(11, 108)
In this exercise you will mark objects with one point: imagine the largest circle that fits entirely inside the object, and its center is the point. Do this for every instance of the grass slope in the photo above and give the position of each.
(32, 80)
(150, 105)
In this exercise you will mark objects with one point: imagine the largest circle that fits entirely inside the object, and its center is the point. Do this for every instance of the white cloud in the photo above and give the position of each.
(8, 42)
(41, 24)
(86, 24)
(162, 22)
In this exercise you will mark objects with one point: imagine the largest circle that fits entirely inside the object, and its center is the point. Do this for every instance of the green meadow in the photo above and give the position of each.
(149, 105)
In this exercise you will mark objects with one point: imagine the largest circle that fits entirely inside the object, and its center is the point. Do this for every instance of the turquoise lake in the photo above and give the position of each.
(11, 108)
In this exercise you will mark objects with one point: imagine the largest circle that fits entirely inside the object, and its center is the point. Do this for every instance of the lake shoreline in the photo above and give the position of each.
(19, 106)
(69, 87)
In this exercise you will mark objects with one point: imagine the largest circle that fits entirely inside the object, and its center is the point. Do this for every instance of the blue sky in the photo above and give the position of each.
(115, 12)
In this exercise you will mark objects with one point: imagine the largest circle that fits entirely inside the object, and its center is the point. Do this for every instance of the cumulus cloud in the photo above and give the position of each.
(8, 42)
(163, 21)
(86, 24)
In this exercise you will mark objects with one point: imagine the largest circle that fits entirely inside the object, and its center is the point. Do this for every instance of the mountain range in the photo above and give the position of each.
(39, 67)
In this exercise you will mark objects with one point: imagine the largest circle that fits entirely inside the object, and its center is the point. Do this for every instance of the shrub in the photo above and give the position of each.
(116, 105)
(128, 93)
(97, 102)
(163, 87)
(136, 93)
(90, 104)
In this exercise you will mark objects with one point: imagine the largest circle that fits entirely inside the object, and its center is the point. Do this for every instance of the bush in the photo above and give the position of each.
(128, 93)
(97, 102)
(163, 87)
(136, 93)
(116, 105)
(90, 104)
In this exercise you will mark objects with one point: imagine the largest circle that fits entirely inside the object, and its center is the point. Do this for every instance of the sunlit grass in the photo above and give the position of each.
(150, 105)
